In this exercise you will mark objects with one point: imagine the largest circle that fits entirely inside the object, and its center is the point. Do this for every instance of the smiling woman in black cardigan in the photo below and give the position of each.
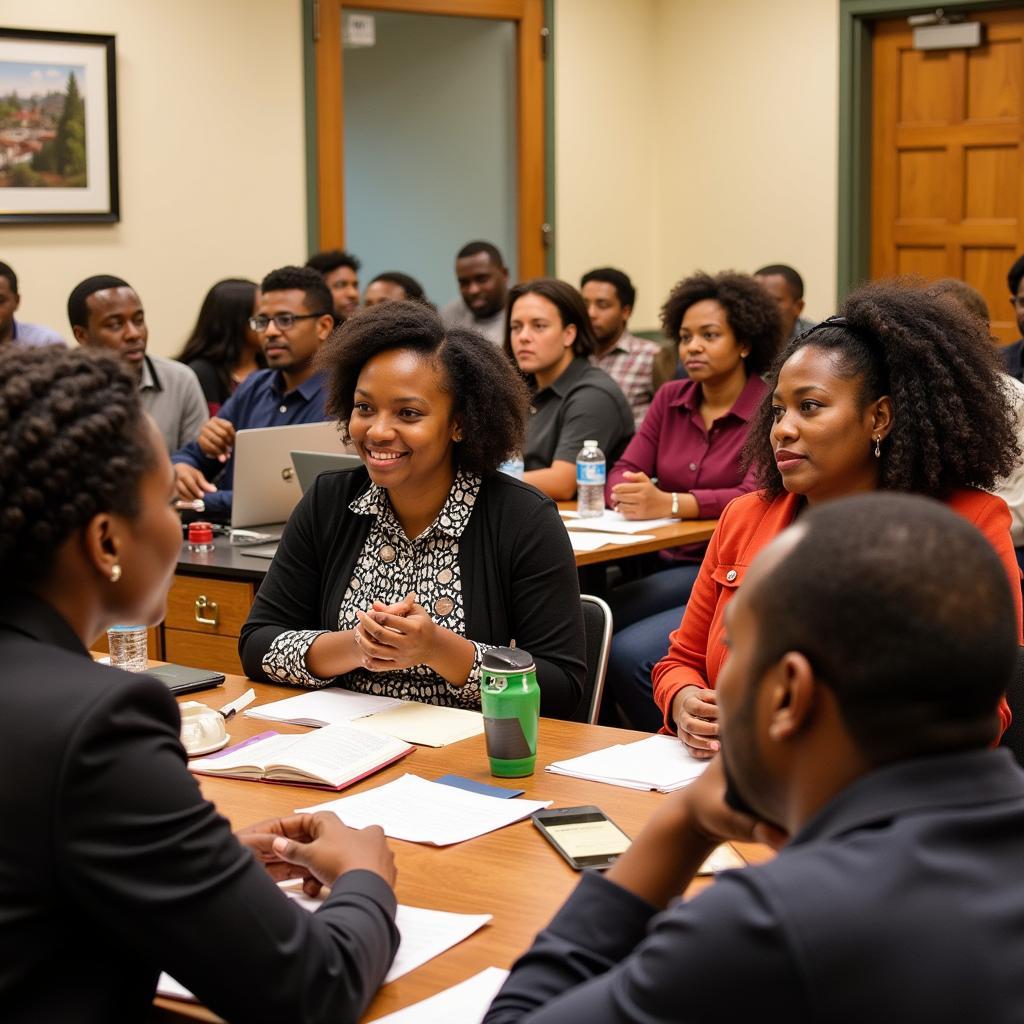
(395, 577)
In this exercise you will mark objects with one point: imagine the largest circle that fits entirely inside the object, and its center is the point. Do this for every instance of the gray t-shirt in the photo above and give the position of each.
(458, 314)
(583, 404)
(171, 394)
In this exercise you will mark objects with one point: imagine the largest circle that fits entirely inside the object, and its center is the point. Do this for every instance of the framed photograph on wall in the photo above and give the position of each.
(58, 128)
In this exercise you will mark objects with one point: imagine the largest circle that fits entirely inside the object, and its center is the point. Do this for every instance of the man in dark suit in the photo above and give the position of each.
(870, 644)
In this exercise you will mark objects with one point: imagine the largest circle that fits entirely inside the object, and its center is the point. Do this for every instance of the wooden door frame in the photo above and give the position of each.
(854, 192)
(325, 205)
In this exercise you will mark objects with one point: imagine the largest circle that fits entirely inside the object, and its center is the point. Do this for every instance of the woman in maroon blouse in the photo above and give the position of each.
(684, 462)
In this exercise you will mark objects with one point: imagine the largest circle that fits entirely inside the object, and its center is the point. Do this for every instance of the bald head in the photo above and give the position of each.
(904, 611)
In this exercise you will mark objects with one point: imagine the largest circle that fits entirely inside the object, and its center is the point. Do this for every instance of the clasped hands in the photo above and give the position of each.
(393, 636)
(318, 848)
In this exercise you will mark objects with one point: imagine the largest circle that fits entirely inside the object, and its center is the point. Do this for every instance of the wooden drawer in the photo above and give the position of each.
(226, 602)
(217, 653)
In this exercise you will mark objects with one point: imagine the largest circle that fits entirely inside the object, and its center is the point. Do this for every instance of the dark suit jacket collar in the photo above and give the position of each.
(33, 617)
(967, 779)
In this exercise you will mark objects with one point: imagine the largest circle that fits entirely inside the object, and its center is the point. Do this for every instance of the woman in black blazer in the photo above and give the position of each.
(112, 865)
(395, 577)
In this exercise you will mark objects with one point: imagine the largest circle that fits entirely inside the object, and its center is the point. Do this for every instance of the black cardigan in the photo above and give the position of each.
(518, 578)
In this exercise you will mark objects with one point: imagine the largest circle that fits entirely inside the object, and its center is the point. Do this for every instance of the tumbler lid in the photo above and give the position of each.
(507, 659)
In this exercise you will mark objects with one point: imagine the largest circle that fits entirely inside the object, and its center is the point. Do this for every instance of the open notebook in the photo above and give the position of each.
(333, 757)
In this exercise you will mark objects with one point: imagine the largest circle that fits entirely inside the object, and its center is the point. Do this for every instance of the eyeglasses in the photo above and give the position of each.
(282, 321)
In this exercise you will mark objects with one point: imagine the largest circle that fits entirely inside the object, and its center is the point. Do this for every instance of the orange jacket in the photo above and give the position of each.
(696, 652)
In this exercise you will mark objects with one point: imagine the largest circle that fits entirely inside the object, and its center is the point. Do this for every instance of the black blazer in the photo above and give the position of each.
(113, 866)
(518, 578)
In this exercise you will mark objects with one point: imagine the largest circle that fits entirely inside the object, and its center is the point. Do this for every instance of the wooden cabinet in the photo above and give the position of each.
(204, 619)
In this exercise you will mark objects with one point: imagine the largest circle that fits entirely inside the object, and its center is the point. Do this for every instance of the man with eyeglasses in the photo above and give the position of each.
(293, 316)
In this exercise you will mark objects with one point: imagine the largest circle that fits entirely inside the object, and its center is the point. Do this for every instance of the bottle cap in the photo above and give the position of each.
(507, 659)
(589, 444)
(200, 533)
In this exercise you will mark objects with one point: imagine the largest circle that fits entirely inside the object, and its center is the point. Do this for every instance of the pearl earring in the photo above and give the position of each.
(115, 572)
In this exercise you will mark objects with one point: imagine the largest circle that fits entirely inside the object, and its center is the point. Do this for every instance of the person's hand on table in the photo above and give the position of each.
(330, 848)
(695, 714)
(638, 498)
(190, 482)
(259, 840)
(217, 438)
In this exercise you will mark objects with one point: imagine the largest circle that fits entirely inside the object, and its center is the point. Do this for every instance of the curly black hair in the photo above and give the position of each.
(953, 425)
(71, 446)
(751, 312)
(488, 396)
(317, 295)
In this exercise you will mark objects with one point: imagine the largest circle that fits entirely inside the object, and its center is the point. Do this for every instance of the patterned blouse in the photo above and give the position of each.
(389, 567)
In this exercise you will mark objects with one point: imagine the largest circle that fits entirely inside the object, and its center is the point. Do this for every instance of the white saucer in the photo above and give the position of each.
(212, 748)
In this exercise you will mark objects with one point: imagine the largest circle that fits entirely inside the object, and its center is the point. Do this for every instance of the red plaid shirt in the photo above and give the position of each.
(630, 363)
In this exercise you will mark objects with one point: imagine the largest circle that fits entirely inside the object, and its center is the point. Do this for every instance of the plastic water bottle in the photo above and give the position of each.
(590, 481)
(128, 647)
(514, 467)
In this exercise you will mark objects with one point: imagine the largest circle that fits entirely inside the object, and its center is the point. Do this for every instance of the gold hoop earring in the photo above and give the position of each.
(115, 572)
(878, 447)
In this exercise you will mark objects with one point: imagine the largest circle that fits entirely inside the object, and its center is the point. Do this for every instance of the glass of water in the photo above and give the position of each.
(128, 647)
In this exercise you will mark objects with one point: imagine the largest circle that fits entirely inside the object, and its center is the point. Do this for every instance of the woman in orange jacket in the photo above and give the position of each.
(900, 392)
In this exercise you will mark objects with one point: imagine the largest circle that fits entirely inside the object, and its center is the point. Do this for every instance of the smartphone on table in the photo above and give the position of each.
(585, 836)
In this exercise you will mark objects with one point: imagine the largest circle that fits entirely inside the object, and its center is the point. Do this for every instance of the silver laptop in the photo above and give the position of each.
(309, 465)
(266, 489)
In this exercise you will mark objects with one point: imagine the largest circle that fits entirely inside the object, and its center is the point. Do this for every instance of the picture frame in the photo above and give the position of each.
(58, 128)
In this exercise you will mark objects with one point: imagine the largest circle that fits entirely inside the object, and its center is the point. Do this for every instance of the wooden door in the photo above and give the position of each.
(948, 159)
(528, 16)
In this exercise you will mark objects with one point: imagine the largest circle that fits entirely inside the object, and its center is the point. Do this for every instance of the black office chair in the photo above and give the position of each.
(1014, 735)
(597, 625)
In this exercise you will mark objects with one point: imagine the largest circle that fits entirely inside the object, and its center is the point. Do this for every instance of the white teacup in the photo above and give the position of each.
(203, 728)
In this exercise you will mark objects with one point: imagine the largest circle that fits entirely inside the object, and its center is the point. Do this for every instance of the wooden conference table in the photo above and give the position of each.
(512, 873)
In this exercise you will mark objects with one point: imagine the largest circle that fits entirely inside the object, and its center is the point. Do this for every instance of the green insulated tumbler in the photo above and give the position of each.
(510, 700)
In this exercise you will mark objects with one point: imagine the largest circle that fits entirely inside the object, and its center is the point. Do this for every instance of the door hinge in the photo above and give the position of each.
(547, 235)
(545, 42)
(316, 21)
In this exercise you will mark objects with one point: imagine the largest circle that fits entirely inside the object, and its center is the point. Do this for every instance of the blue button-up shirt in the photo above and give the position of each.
(260, 401)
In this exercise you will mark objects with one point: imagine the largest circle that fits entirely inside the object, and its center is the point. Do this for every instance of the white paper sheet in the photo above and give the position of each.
(465, 1003)
(584, 540)
(425, 934)
(721, 858)
(428, 725)
(658, 762)
(613, 522)
(418, 811)
(322, 707)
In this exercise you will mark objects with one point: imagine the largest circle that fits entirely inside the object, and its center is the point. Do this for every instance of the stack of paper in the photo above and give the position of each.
(613, 522)
(466, 1002)
(418, 811)
(429, 725)
(322, 707)
(424, 934)
(658, 762)
(587, 540)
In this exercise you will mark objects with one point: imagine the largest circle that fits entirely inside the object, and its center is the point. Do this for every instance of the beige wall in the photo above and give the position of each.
(607, 154)
(689, 134)
(212, 157)
(714, 148)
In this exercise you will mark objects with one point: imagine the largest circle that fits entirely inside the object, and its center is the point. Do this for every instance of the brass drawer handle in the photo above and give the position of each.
(204, 606)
